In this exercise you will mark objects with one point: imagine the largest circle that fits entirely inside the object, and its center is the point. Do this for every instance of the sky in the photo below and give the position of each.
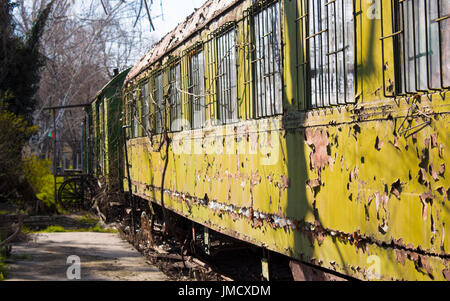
(175, 12)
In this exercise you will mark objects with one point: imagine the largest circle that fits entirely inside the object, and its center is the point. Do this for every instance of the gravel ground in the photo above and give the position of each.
(103, 256)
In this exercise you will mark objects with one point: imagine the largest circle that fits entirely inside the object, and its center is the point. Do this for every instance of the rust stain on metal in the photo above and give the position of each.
(358, 240)
(378, 143)
(354, 173)
(423, 263)
(441, 150)
(270, 178)
(314, 184)
(433, 173)
(318, 140)
(303, 272)
(421, 178)
(380, 199)
(285, 182)
(426, 198)
(395, 143)
(446, 274)
(442, 170)
(400, 256)
(433, 140)
(315, 231)
(396, 188)
(356, 131)
(255, 179)
(426, 142)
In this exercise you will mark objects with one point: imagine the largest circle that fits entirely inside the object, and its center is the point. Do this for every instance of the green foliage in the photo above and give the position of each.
(2, 267)
(87, 220)
(53, 229)
(14, 134)
(40, 177)
(21, 61)
(2, 258)
(96, 228)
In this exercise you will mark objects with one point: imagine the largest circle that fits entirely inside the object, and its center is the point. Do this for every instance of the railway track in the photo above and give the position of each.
(229, 259)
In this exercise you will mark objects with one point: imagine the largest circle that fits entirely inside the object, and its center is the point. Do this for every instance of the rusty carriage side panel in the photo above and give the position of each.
(360, 188)
(103, 154)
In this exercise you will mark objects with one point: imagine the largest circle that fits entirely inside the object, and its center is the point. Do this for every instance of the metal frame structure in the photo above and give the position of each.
(74, 179)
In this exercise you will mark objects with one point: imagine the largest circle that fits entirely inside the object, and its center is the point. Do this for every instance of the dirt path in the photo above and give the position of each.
(103, 256)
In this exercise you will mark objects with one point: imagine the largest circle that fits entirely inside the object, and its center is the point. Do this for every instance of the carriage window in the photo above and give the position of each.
(423, 45)
(145, 109)
(267, 61)
(227, 77)
(197, 90)
(175, 98)
(159, 108)
(330, 52)
(134, 113)
(128, 97)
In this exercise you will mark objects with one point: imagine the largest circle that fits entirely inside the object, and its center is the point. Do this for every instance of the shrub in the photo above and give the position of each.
(14, 134)
(39, 175)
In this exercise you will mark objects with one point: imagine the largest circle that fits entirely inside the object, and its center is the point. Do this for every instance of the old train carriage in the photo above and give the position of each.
(316, 129)
(103, 135)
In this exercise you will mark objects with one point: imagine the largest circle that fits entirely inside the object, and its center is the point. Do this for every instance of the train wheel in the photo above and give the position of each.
(75, 194)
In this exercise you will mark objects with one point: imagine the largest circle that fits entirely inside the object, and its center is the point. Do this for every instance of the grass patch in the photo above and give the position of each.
(87, 220)
(2, 267)
(57, 229)
(2, 258)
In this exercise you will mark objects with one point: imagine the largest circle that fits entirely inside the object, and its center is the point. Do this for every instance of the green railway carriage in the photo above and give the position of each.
(316, 129)
(103, 135)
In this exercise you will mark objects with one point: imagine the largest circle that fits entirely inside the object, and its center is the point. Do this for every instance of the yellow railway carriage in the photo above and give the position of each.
(316, 129)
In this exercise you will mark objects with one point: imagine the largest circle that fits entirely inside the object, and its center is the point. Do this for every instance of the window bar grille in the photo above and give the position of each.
(192, 69)
(175, 97)
(227, 91)
(273, 44)
(401, 34)
(428, 30)
(320, 38)
(266, 38)
(262, 64)
(261, 70)
(414, 28)
(145, 105)
(265, 57)
(335, 58)
(330, 54)
(343, 54)
(440, 20)
(157, 90)
(219, 99)
(225, 64)
(416, 78)
(219, 95)
(300, 32)
(226, 80)
(211, 88)
(257, 61)
(166, 98)
(197, 88)
(246, 58)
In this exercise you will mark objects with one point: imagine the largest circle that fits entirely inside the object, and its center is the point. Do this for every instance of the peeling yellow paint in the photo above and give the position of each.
(350, 184)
